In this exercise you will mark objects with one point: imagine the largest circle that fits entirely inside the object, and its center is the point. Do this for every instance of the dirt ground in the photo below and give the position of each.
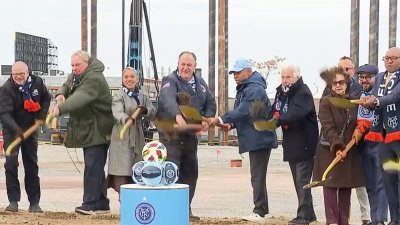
(223, 193)
(62, 218)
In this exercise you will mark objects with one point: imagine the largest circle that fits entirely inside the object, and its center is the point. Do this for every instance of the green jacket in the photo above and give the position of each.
(89, 106)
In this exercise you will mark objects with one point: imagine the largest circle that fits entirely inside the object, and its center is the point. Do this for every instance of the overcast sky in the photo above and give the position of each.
(310, 33)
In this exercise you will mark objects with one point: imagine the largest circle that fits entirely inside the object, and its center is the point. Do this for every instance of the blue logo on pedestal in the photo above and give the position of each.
(145, 213)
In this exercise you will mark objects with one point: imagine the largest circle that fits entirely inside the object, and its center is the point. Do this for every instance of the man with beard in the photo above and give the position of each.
(369, 151)
(294, 111)
(385, 99)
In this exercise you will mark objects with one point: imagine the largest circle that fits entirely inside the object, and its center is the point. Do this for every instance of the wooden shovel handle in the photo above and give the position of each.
(129, 123)
(338, 158)
(207, 120)
(358, 101)
(26, 134)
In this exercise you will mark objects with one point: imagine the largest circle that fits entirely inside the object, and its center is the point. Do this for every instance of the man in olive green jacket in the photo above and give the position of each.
(86, 97)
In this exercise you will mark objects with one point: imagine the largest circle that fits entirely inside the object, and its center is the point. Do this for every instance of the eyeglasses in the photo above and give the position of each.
(18, 74)
(340, 82)
(367, 78)
(393, 58)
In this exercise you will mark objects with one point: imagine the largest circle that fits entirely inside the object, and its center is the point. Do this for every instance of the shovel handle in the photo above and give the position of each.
(358, 101)
(129, 123)
(26, 134)
(338, 158)
(207, 120)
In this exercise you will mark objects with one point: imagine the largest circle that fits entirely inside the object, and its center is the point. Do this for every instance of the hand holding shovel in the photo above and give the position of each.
(345, 103)
(129, 122)
(167, 126)
(26, 134)
(340, 155)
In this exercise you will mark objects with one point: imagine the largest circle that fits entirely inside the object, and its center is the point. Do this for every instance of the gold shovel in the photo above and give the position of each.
(26, 134)
(167, 126)
(192, 113)
(337, 159)
(345, 103)
(391, 165)
(263, 125)
(135, 114)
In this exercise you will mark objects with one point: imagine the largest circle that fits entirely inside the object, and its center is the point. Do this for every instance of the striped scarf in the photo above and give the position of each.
(386, 117)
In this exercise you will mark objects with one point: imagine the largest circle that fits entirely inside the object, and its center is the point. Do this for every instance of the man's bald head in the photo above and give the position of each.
(392, 59)
(19, 72)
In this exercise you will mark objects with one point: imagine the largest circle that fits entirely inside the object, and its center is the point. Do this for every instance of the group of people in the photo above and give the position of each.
(96, 118)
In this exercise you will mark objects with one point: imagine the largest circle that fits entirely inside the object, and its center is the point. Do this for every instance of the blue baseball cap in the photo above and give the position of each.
(240, 65)
(368, 68)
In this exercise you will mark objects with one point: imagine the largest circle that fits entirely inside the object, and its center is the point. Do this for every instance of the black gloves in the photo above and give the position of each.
(143, 110)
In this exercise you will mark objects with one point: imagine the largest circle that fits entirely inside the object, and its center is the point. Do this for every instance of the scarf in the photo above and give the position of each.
(29, 104)
(364, 115)
(281, 104)
(386, 117)
(133, 94)
(192, 83)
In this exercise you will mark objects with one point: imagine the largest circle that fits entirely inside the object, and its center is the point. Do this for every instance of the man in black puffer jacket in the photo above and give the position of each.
(23, 99)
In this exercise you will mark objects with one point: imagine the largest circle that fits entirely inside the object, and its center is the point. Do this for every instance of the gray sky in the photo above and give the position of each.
(310, 33)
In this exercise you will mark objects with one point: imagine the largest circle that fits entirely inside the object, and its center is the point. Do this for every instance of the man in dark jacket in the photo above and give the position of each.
(294, 111)
(87, 98)
(23, 99)
(251, 88)
(182, 150)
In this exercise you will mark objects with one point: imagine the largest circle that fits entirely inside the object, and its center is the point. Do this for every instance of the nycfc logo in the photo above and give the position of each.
(392, 122)
(35, 92)
(203, 88)
(145, 213)
(170, 174)
(375, 121)
(365, 113)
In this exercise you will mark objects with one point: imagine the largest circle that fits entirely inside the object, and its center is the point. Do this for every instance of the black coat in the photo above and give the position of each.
(299, 122)
(13, 116)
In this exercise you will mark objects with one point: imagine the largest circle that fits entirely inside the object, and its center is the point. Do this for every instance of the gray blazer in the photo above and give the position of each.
(124, 153)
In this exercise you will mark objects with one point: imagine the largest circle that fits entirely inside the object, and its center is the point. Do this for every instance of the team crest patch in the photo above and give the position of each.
(365, 113)
(145, 213)
(203, 88)
(35, 92)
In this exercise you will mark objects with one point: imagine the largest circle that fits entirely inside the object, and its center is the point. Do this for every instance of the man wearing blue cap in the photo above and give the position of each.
(369, 151)
(250, 88)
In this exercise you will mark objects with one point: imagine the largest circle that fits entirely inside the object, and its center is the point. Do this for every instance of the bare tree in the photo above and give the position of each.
(266, 67)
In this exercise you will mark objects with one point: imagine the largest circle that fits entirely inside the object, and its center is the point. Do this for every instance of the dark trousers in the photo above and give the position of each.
(337, 205)
(30, 161)
(301, 173)
(391, 179)
(183, 152)
(373, 174)
(258, 170)
(94, 182)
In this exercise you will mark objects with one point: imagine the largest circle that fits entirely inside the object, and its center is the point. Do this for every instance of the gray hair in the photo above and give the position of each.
(294, 68)
(130, 69)
(83, 54)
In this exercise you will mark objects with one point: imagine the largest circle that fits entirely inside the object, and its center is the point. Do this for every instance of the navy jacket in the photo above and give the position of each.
(252, 89)
(13, 116)
(299, 122)
(202, 99)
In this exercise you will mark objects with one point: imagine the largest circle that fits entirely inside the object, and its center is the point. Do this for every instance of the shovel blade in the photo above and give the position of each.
(341, 102)
(263, 125)
(391, 165)
(190, 113)
(316, 183)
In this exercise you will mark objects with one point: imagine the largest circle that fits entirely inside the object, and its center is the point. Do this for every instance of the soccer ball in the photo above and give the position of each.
(151, 173)
(170, 173)
(154, 151)
(137, 172)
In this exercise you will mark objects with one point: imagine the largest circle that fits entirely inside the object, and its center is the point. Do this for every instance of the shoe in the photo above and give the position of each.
(102, 210)
(12, 207)
(367, 222)
(254, 217)
(298, 220)
(84, 210)
(192, 217)
(35, 208)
